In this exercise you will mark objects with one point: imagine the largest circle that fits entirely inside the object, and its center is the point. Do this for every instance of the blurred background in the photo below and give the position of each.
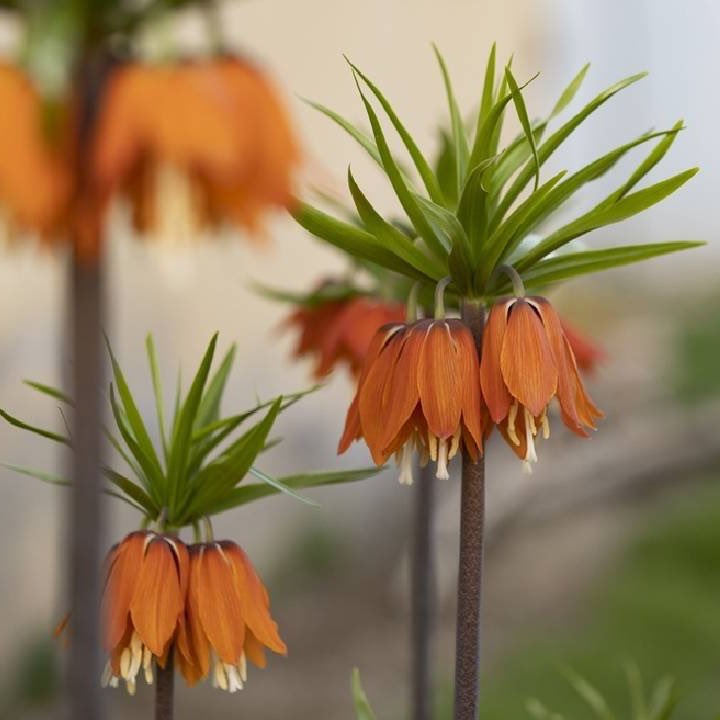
(608, 553)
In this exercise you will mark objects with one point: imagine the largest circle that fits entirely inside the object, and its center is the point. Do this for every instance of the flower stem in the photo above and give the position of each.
(165, 688)
(472, 522)
(423, 597)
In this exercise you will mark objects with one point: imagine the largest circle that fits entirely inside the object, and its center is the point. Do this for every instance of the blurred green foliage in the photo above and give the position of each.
(698, 349)
(658, 608)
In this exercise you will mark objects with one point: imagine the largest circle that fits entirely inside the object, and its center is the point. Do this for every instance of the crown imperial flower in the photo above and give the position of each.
(227, 618)
(419, 389)
(143, 604)
(527, 360)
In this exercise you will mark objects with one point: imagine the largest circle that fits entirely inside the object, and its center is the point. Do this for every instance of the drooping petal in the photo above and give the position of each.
(255, 601)
(157, 601)
(221, 611)
(469, 382)
(199, 649)
(122, 579)
(254, 650)
(439, 381)
(495, 394)
(588, 355)
(527, 362)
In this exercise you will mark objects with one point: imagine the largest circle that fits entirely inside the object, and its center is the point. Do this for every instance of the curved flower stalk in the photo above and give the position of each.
(467, 217)
(203, 603)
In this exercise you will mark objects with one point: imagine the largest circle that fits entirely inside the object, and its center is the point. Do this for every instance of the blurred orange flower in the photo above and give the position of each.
(419, 389)
(227, 617)
(194, 145)
(526, 361)
(143, 604)
(337, 331)
(35, 178)
(588, 355)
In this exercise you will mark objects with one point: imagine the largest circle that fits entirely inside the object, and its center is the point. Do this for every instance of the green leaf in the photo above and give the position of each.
(50, 391)
(522, 114)
(603, 215)
(16, 422)
(568, 94)
(655, 156)
(38, 475)
(488, 91)
(351, 239)
(663, 700)
(445, 224)
(421, 164)
(157, 391)
(484, 145)
(570, 265)
(472, 210)
(363, 711)
(209, 410)
(538, 711)
(554, 141)
(366, 142)
(460, 141)
(390, 237)
(134, 419)
(592, 697)
(397, 181)
(255, 491)
(217, 478)
(132, 490)
(279, 486)
(637, 692)
(180, 445)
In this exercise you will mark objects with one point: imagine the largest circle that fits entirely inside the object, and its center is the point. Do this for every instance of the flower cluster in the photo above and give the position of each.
(204, 602)
(423, 386)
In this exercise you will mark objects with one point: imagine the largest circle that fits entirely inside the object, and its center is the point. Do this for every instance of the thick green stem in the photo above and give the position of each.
(472, 525)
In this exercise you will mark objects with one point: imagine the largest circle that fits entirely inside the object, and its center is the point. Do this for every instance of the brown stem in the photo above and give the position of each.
(472, 521)
(423, 597)
(165, 688)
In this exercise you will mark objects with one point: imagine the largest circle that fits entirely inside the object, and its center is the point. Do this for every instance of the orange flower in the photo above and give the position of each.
(526, 361)
(143, 604)
(194, 145)
(227, 618)
(588, 355)
(336, 331)
(35, 181)
(419, 388)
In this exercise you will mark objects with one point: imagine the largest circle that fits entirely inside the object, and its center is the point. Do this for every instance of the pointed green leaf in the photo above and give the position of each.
(397, 181)
(157, 391)
(350, 239)
(570, 265)
(48, 434)
(460, 141)
(180, 444)
(49, 478)
(603, 215)
(132, 490)
(255, 491)
(592, 697)
(363, 711)
(488, 91)
(279, 486)
(390, 237)
(548, 147)
(50, 391)
(568, 94)
(209, 410)
(522, 114)
(472, 210)
(421, 164)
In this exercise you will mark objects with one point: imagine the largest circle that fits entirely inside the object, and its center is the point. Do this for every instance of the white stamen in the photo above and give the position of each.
(114, 681)
(234, 681)
(242, 667)
(432, 446)
(220, 679)
(454, 444)
(442, 459)
(406, 467)
(107, 675)
(511, 431)
(545, 425)
(125, 658)
(530, 454)
(131, 687)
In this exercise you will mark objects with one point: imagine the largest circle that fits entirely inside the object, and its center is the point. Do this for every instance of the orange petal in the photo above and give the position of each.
(124, 565)
(221, 611)
(587, 354)
(199, 646)
(527, 361)
(158, 601)
(495, 394)
(254, 650)
(401, 395)
(255, 600)
(439, 381)
(469, 382)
